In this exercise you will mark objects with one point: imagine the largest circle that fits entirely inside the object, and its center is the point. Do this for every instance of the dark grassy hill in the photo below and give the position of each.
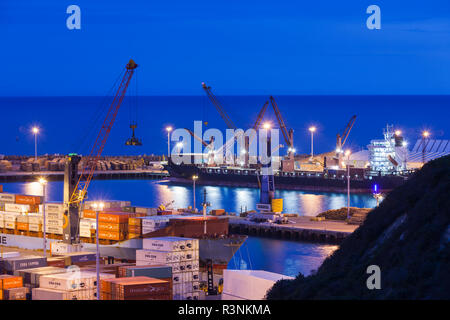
(407, 236)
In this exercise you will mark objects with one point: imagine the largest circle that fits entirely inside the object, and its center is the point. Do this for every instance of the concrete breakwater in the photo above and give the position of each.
(299, 229)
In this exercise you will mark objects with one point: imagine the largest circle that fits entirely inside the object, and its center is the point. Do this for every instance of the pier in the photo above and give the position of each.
(299, 229)
(19, 176)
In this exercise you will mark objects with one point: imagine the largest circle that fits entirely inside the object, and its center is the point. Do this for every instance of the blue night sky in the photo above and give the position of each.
(242, 47)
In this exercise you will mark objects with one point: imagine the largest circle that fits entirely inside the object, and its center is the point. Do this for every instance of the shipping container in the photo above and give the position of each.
(10, 281)
(31, 200)
(7, 197)
(19, 293)
(54, 294)
(157, 271)
(72, 280)
(23, 262)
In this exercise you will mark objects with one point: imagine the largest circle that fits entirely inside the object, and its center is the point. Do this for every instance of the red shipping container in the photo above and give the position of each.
(21, 199)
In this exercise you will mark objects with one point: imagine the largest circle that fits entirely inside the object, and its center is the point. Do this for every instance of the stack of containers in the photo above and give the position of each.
(32, 276)
(134, 227)
(54, 218)
(182, 254)
(153, 223)
(135, 288)
(113, 225)
(68, 286)
(35, 222)
(11, 288)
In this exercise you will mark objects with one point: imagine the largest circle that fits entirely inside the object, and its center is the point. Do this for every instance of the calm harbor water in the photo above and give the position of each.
(286, 257)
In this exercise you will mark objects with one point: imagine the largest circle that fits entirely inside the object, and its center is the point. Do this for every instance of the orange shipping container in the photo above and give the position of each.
(89, 214)
(22, 226)
(134, 221)
(8, 282)
(21, 199)
(114, 217)
(115, 227)
(109, 235)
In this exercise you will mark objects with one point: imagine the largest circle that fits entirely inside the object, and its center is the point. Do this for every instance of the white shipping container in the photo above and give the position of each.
(187, 276)
(10, 225)
(35, 227)
(177, 288)
(53, 229)
(54, 208)
(54, 216)
(57, 248)
(177, 278)
(52, 294)
(72, 280)
(153, 256)
(54, 222)
(248, 284)
(85, 233)
(87, 223)
(22, 218)
(175, 266)
(19, 208)
(35, 219)
(195, 276)
(108, 204)
(7, 197)
(12, 217)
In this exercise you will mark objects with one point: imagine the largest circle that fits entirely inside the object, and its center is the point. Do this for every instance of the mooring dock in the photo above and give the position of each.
(299, 228)
(19, 176)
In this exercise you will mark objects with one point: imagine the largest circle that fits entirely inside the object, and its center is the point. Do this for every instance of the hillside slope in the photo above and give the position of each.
(407, 236)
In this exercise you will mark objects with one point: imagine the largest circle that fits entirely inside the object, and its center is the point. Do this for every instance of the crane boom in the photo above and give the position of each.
(286, 134)
(97, 149)
(347, 130)
(218, 106)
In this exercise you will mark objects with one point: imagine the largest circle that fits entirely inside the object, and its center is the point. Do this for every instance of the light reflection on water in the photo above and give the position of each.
(286, 257)
(154, 193)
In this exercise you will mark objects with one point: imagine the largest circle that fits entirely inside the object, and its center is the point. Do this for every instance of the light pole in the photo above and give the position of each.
(194, 178)
(168, 129)
(35, 131)
(312, 130)
(43, 183)
(97, 207)
(347, 153)
(425, 136)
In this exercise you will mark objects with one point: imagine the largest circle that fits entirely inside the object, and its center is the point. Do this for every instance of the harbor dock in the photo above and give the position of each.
(299, 229)
(20, 176)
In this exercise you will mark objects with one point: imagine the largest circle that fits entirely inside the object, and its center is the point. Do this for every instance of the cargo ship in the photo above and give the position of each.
(327, 181)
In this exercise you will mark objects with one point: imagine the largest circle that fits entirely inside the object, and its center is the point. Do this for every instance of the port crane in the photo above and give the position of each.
(75, 188)
(341, 139)
(288, 135)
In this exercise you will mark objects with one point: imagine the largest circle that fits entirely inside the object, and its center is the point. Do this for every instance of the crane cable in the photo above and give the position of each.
(96, 118)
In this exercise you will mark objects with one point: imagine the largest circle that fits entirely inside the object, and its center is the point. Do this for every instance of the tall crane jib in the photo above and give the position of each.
(341, 139)
(75, 190)
(288, 135)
